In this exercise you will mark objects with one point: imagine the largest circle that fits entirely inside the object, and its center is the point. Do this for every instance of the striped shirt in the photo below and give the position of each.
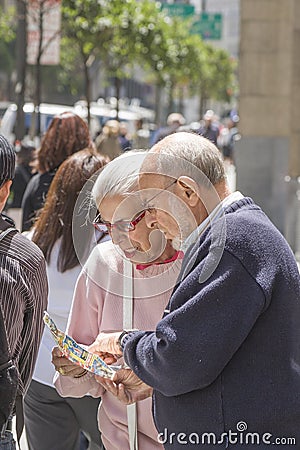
(23, 298)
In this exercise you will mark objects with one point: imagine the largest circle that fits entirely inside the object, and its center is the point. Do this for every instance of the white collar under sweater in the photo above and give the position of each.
(217, 212)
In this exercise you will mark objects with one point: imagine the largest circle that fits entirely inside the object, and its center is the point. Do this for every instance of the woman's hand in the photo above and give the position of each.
(64, 366)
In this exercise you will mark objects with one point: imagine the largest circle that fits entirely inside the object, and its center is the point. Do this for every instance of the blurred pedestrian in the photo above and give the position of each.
(209, 129)
(66, 134)
(25, 154)
(53, 422)
(108, 142)
(23, 298)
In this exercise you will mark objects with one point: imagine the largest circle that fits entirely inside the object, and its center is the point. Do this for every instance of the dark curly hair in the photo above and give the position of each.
(66, 134)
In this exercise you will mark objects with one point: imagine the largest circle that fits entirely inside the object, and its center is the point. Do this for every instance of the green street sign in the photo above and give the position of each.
(178, 9)
(209, 26)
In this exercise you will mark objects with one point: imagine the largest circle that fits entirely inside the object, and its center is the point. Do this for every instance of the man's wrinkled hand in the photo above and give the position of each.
(126, 386)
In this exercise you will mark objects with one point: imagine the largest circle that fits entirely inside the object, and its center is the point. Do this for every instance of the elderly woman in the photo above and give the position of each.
(99, 303)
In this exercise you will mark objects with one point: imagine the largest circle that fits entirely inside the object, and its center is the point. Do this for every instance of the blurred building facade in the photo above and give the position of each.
(268, 155)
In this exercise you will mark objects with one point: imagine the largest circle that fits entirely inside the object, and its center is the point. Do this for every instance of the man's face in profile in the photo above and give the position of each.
(165, 209)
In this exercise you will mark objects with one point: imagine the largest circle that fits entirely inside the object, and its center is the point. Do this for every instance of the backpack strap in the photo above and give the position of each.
(6, 232)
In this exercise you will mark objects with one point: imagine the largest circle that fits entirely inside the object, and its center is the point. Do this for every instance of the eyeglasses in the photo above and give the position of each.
(150, 200)
(120, 225)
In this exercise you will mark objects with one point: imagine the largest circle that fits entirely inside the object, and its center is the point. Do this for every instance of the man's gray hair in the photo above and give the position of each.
(119, 177)
(187, 154)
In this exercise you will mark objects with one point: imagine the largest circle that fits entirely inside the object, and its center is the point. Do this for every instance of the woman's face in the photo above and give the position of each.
(141, 245)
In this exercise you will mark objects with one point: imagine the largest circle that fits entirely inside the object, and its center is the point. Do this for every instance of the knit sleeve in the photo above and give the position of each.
(207, 324)
(77, 387)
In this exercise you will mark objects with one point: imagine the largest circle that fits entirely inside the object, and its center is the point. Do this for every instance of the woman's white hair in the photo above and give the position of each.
(119, 177)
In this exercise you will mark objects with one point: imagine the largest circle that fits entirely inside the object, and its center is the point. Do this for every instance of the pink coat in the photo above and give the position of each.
(97, 306)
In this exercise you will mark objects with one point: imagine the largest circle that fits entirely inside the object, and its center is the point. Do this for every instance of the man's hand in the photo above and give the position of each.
(126, 386)
(63, 365)
(107, 347)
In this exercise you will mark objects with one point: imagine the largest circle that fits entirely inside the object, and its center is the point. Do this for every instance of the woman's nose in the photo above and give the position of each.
(150, 218)
(116, 236)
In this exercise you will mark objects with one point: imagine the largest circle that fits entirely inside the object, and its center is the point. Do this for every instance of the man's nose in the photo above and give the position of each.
(150, 218)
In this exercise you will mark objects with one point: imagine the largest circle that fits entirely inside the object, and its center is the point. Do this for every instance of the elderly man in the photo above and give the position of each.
(23, 298)
(224, 361)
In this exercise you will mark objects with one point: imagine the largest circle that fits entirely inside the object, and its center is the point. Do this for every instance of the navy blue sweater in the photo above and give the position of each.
(229, 349)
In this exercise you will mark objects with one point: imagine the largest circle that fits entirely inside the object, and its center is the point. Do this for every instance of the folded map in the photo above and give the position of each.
(76, 353)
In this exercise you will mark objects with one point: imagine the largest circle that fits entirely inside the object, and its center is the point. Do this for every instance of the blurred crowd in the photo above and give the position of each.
(113, 140)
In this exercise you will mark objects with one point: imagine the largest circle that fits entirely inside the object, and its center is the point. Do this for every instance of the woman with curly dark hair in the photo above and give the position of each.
(66, 134)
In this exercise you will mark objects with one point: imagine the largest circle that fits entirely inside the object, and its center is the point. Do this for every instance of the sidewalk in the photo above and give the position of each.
(23, 441)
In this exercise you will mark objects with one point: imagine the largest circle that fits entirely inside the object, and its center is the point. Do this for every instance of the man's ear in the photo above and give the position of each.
(4, 193)
(189, 190)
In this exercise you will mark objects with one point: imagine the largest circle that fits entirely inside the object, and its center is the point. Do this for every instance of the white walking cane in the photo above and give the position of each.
(127, 325)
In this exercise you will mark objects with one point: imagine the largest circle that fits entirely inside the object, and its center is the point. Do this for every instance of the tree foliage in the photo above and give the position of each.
(124, 34)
